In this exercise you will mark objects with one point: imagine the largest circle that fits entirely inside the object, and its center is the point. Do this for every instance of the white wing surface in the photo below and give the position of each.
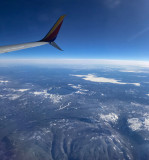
(10, 48)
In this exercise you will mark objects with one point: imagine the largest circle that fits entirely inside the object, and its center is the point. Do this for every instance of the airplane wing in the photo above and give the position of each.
(10, 48)
(48, 39)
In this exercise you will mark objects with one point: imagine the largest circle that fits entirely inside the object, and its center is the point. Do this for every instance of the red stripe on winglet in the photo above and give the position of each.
(54, 34)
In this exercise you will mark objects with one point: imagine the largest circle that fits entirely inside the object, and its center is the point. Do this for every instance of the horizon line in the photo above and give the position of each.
(69, 61)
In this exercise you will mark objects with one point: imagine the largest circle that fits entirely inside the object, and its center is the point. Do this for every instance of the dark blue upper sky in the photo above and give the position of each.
(109, 29)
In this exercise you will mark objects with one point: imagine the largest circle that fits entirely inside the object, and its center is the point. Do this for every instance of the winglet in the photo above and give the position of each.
(55, 45)
(52, 34)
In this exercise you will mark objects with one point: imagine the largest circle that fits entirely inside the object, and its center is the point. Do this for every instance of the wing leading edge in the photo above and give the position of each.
(48, 39)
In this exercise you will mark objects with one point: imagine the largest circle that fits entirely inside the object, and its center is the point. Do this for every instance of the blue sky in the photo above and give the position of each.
(93, 29)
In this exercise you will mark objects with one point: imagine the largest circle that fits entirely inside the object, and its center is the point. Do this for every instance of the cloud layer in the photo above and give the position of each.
(76, 62)
(93, 78)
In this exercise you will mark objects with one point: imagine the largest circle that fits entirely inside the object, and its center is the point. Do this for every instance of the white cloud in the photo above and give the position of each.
(1, 81)
(22, 90)
(93, 78)
(136, 71)
(111, 117)
(76, 62)
(39, 93)
(80, 90)
(1, 96)
(136, 104)
(131, 71)
(134, 124)
(137, 124)
(55, 98)
(19, 90)
(75, 87)
(64, 106)
(13, 96)
(146, 123)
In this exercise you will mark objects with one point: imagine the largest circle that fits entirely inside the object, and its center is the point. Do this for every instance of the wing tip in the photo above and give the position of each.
(52, 34)
(64, 15)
